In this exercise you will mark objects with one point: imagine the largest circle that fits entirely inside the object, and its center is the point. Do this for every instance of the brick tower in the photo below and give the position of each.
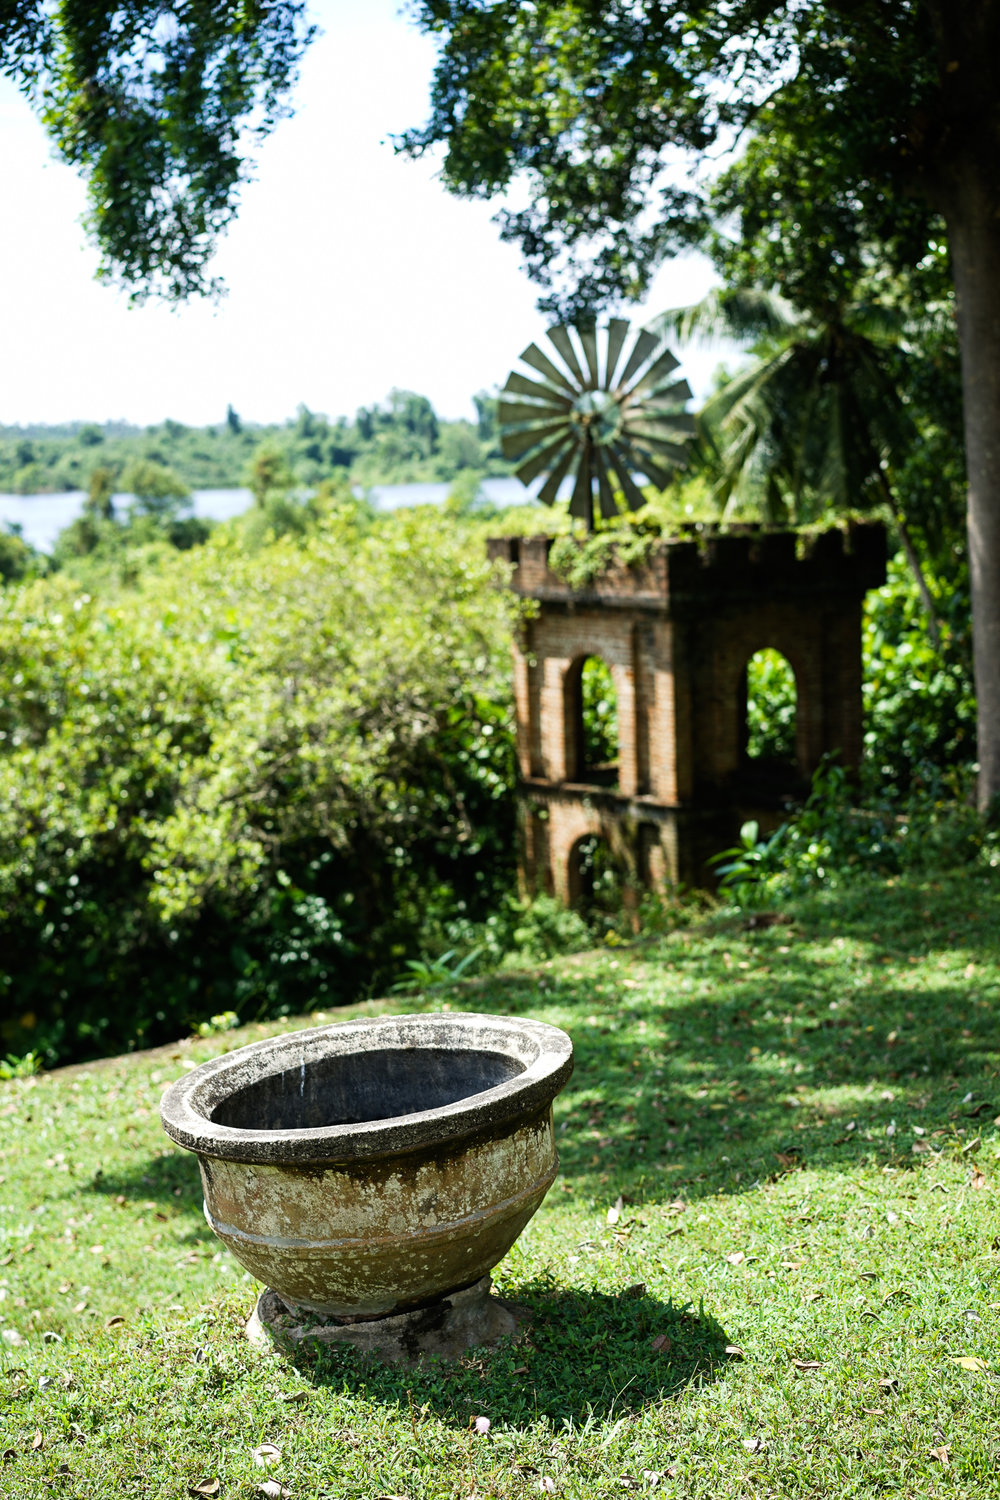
(677, 632)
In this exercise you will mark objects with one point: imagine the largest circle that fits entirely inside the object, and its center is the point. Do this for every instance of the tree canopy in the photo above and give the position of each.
(158, 107)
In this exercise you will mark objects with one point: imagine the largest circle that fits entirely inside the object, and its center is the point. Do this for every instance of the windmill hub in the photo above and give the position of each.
(597, 417)
(600, 414)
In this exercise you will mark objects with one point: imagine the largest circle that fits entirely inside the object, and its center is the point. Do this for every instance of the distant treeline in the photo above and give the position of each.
(399, 441)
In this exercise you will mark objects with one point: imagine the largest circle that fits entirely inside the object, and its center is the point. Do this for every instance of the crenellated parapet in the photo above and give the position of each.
(703, 563)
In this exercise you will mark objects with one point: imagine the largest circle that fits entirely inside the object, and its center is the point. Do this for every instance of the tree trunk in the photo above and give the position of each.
(964, 184)
(974, 236)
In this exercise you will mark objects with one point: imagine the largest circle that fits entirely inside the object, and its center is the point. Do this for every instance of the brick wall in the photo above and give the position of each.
(677, 633)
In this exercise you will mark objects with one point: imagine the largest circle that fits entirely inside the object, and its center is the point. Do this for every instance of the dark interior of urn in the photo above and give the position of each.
(349, 1089)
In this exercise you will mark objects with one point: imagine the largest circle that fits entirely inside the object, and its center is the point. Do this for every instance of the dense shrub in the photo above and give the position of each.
(920, 708)
(246, 782)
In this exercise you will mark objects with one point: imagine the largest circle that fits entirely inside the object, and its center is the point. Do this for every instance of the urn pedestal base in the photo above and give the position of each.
(467, 1319)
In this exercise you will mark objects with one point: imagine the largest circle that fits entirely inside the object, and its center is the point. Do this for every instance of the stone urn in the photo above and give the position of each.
(372, 1169)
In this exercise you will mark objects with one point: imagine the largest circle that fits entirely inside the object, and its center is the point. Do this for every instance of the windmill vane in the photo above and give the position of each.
(596, 416)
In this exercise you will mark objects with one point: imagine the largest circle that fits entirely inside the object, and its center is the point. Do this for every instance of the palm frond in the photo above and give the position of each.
(745, 315)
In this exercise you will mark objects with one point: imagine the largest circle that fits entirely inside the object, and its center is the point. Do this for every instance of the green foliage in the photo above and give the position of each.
(268, 475)
(18, 559)
(582, 560)
(911, 808)
(157, 112)
(599, 704)
(426, 973)
(154, 485)
(247, 782)
(920, 708)
(743, 868)
(771, 700)
(832, 839)
(227, 1020)
(26, 1066)
(401, 441)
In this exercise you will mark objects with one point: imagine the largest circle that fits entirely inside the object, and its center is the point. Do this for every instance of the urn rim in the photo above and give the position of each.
(543, 1052)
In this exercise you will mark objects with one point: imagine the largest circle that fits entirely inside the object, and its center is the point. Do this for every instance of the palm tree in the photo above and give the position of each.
(817, 424)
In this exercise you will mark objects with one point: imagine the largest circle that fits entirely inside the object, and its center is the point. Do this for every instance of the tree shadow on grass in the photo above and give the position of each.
(581, 1353)
(751, 1052)
(170, 1177)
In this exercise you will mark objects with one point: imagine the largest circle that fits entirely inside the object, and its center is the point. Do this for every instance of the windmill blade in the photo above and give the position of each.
(582, 503)
(609, 505)
(532, 467)
(588, 339)
(514, 444)
(533, 356)
(645, 345)
(658, 370)
(549, 492)
(511, 413)
(661, 452)
(666, 422)
(520, 385)
(653, 470)
(664, 395)
(619, 461)
(560, 338)
(617, 334)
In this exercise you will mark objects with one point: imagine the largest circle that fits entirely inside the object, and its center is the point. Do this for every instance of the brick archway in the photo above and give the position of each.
(677, 632)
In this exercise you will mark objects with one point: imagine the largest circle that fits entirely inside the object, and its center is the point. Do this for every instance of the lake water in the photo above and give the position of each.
(42, 517)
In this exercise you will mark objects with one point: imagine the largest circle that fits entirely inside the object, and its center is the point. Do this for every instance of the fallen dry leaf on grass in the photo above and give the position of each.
(737, 1258)
(970, 1362)
(661, 1343)
(266, 1456)
(36, 1441)
(206, 1487)
(754, 1444)
(978, 1179)
(941, 1454)
(547, 1485)
(734, 1351)
(888, 1383)
(272, 1489)
(807, 1364)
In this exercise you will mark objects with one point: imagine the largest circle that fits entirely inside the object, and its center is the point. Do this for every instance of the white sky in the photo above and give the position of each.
(349, 270)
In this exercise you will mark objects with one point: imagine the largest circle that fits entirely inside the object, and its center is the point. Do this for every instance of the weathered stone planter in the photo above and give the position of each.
(368, 1169)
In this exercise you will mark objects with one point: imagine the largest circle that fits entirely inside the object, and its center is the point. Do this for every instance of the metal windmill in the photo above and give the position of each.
(590, 421)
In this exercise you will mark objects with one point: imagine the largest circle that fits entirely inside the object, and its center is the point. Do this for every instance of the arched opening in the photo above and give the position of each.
(596, 881)
(770, 702)
(596, 714)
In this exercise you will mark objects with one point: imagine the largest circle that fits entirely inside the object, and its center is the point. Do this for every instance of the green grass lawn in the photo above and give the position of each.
(769, 1265)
